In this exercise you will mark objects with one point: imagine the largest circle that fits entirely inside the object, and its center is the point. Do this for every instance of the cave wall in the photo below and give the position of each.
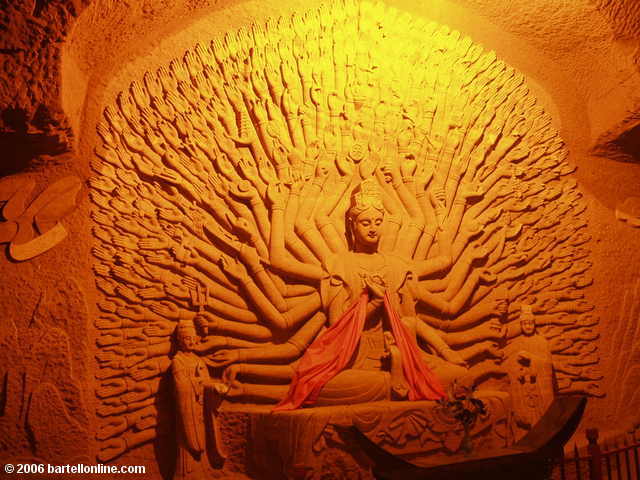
(63, 61)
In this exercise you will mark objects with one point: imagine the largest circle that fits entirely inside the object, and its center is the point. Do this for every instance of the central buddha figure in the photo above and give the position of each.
(362, 345)
(341, 206)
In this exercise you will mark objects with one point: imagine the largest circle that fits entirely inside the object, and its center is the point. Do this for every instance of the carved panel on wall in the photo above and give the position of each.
(33, 227)
(629, 211)
(43, 414)
(269, 187)
(625, 339)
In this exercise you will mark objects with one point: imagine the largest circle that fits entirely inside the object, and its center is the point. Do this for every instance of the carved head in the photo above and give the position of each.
(187, 336)
(527, 320)
(365, 217)
(323, 166)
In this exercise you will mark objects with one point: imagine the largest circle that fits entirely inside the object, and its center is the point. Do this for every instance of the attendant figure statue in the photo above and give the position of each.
(191, 380)
(530, 368)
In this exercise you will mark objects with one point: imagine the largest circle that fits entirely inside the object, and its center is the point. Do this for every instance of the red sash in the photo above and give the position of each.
(423, 384)
(330, 353)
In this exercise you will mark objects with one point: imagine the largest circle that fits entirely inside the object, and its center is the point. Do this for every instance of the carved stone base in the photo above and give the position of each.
(317, 442)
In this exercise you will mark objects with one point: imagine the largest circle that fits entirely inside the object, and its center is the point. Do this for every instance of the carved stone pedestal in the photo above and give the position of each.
(319, 442)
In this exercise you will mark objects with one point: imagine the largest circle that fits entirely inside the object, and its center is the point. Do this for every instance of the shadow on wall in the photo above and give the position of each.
(21, 148)
(624, 148)
(21, 151)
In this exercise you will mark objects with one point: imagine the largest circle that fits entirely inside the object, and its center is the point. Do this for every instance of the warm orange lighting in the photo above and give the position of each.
(306, 172)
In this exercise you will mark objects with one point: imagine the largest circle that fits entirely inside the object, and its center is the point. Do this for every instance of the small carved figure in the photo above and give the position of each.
(530, 368)
(191, 382)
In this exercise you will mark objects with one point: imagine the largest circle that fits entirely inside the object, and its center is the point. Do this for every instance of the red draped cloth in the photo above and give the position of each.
(330, 353)
(423, 384)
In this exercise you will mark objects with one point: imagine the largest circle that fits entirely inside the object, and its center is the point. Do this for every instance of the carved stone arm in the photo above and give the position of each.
(293, 122)
(467, 232)
(261, 215)
(431, 226)
(258, 272)
(422, 268)
(432, 338)
(257, 207)
(216, 342)
(323, 221)
(270, 373)
(243, 212)
(453, 281)
(139, 420)
(174, 160)
(276, 319)
(392, 223)
(137, 355)
(496, 307)
(308, 122)
(238, 314)
(209, 269)
(408, 238)
(108, 410)
(261, 120)
(292, 241)
(299, 249)
(490, 199)
(334, 191)
(310, 198)
(313, 238)
(296, 290)
(216, 324)
(114, 447)
(408, 241)
(150, 368)
(408, 200)
(279, 257)
(289, 350)
(453, 306)
(491, 330)
(217, 290)
(217, 207)
(504, 145)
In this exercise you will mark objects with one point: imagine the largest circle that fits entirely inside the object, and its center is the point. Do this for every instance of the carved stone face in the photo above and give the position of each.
(528, 322)
(367, 228)
(186, 339)
(323, 168)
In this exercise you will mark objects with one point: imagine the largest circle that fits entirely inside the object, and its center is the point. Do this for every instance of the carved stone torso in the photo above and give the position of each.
(190, 373)
(345, 282)
(530, 367)
(345, 273)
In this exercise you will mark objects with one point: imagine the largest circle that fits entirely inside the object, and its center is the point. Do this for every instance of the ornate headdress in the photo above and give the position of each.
(365, 197)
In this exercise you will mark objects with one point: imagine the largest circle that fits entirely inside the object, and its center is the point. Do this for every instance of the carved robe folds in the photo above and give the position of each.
(190, 376)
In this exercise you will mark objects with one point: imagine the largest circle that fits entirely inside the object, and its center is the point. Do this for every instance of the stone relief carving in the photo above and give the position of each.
(624, 339)
(531, 374)
(43, 404)
(629, 211)
(23, 218)
(350, 180)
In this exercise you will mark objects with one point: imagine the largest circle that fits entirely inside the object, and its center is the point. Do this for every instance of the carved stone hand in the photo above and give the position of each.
(233, 269)
(224, 357)
(276, 195)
